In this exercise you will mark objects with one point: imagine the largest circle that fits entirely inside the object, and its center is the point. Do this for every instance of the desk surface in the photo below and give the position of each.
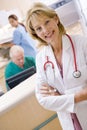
(17, 94)
(5, 40)
(6, 45)
(6, 35)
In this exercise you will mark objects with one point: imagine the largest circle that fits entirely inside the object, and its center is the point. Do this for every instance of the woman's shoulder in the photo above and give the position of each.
(19, 28)
(42, 51)
(79, 37)
(80, 42)
(16, 30)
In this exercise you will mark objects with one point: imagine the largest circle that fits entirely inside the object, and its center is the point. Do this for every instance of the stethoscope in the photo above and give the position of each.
(76, 73)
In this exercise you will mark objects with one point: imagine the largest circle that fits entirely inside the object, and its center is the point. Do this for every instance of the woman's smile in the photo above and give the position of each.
(49, 35)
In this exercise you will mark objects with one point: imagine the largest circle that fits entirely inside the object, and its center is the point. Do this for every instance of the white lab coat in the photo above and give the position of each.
(64, 105)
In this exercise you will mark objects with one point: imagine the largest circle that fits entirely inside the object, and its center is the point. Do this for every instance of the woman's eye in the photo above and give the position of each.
(38, 29)
(47, 22)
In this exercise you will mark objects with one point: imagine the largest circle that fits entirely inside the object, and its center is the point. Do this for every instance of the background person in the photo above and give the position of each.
(21, 37)
(61, 68)
(18, 62)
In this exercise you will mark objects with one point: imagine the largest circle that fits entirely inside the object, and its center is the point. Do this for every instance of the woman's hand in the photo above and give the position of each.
(81, 95)
(47, 90)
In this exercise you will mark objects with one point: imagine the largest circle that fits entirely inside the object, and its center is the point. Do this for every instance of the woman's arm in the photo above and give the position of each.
(51, 101)
(47, 90)
(17, 37)
(81, 95)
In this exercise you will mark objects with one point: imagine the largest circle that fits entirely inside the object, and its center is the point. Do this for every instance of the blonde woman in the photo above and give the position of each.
(61, 68)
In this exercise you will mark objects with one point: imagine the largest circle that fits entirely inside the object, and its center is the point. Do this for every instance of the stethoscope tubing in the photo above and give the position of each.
(76, 73)
(73, 49)
(47, 62)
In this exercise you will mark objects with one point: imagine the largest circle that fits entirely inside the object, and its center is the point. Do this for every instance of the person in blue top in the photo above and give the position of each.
(18, 62)
(21, 36)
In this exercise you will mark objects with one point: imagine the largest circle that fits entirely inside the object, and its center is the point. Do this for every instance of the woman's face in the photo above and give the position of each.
(46, 28)
(13, 22)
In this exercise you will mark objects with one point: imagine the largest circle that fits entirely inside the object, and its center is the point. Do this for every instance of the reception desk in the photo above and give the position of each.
(6, 36)
(19, 110)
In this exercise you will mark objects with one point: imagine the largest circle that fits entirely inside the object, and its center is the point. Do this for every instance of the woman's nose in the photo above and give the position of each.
(45, 30)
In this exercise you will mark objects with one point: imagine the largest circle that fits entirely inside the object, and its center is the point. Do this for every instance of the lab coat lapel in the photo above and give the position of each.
(51, 56)
(66, 56)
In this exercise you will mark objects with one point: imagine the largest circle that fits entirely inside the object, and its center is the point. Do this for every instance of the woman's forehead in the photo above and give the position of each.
(11, 19)
(37, 19)
(39, 15)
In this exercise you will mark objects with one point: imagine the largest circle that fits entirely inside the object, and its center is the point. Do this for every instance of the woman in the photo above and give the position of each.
(61, 68)
(21, 37)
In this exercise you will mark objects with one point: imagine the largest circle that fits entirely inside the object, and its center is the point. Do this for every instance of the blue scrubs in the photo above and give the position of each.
(21, 37)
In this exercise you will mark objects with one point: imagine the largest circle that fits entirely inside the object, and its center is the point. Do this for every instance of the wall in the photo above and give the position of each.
(22, 5)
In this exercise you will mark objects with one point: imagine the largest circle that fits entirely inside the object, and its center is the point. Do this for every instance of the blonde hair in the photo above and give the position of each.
(41, 9)
(14, 50)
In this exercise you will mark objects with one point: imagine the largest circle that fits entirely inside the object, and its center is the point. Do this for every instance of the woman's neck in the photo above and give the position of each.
(57, 49)
(57, 45)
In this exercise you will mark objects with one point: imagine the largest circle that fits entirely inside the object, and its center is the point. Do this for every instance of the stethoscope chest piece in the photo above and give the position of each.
(76, 74)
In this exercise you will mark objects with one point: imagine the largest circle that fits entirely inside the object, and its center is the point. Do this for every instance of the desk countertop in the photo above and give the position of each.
(11, 98)
(6, 34)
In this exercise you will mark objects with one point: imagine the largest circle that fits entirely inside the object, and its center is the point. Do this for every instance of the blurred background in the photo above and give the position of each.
(23, 116)
(73, 14)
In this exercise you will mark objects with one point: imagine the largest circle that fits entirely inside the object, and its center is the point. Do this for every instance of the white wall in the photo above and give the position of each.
(18, 7)
(82, 10)
(22, 5)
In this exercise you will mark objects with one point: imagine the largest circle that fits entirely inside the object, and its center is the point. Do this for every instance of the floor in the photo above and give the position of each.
(72, 29)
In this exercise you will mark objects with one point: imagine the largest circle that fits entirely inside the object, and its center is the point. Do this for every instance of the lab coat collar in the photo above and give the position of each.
(66, 56)
(50, 54)
(66, 43)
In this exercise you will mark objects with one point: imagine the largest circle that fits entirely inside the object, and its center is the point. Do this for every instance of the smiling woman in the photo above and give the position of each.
(57, 54)
(41, 26)
(44, 28)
